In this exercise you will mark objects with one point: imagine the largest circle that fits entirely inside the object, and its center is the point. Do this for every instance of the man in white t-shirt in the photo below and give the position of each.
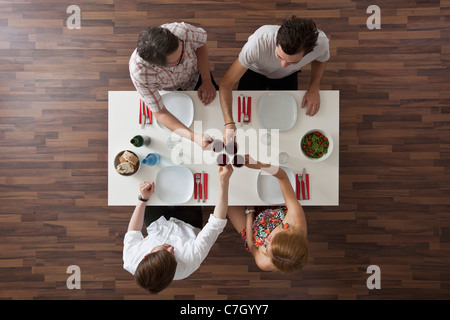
(271, 59)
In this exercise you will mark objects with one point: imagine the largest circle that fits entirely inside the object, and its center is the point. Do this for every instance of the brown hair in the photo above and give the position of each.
(155, 44)
(296, 35)
(156, 271)
(289, 250)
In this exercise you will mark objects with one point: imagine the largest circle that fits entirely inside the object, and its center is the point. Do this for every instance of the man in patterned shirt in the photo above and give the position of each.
(173, 57)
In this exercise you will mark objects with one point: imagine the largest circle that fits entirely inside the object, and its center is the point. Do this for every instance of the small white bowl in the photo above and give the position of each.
(330, 145)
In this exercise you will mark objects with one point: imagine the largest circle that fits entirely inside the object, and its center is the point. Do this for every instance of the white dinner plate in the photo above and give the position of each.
(277, 110)
(180, 105)
(269, 188)
(174, 184)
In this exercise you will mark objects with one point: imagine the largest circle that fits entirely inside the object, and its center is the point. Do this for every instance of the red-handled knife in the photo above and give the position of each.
(297, 186)
(206, 185)
(239, 109)
(307, 185)
(203, 197)
(303, 184)
(244, 109)
(144, 121)
(140, 111)
(249, 108)
(149, 113)
(303, 189)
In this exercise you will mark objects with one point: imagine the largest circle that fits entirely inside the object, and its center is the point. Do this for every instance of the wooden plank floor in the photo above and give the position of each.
(394, 155)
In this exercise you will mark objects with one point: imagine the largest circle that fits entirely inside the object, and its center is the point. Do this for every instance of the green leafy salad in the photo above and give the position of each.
(315, 145)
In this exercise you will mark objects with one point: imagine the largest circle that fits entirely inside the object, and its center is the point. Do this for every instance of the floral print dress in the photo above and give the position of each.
(267, 220)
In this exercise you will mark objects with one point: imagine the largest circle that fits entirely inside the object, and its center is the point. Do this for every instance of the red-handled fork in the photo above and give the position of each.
(245, 111)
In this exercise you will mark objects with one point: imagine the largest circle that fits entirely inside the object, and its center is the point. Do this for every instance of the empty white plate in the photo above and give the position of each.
(277, 110)
(180, 105)
(269, 189)
(174, 184)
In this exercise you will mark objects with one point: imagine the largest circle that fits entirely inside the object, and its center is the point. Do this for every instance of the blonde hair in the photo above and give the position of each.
(289, 250)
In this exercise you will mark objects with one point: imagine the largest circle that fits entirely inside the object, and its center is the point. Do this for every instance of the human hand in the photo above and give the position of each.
(146, 189)
(228, 133)
(312, 99)
(203, 140)
(251, 163)
(207, 92)
(225, 173)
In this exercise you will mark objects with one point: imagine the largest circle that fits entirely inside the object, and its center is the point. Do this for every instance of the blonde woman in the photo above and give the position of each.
(277, 237)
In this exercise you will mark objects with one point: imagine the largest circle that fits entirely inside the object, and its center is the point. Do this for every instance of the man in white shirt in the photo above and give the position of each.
(173, 249)
(271, 59)
(172, 57)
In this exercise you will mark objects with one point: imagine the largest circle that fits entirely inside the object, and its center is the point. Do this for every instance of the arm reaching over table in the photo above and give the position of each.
(136, 223)
(221, 209)
(206, 92)
(232, 76)
(173, 124)
(295, 211)
(312, 96)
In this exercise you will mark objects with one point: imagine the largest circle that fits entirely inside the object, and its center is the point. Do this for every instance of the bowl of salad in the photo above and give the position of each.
(316, 145)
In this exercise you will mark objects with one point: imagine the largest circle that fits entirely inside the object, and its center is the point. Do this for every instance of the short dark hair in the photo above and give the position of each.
(156, 271)
(155, 44)
(296, 35)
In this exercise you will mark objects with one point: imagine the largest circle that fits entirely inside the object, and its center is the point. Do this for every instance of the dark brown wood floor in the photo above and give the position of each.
(394, 156)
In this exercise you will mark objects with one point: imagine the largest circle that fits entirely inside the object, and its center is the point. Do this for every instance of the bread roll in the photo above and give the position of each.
(128, 156)
(125, 167)
(122, 159)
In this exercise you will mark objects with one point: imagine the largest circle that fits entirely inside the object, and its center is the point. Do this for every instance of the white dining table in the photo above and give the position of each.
(123, 124)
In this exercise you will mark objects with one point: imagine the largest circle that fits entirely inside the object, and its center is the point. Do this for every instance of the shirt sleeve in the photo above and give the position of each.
(129, 241)
(195, 37)
(323, 47)
(249, 53)
(208, 236)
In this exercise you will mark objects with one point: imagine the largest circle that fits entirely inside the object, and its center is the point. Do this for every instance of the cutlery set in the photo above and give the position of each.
(302, 185)
(201, 186)
(144, 114)
(244, 109)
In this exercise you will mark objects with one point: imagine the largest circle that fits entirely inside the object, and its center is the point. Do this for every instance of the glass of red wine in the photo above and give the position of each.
(217, 145)
(222, 159)
(238, 160)
(231, 147)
